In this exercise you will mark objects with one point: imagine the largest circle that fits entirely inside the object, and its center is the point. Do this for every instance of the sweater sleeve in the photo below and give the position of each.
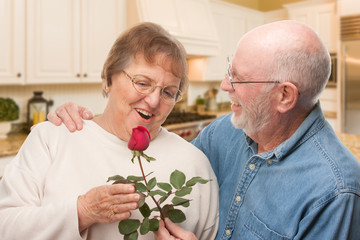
(23, 213)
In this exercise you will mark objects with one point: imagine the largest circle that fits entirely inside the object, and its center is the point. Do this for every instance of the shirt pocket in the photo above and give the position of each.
(254, 229)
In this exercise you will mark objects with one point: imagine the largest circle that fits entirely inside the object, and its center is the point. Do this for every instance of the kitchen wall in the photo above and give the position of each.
(89, 95)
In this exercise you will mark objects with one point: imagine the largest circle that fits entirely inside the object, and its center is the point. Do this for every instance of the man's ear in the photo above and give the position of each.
(288, 97)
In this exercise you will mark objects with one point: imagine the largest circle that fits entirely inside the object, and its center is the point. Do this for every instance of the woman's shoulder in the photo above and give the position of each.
(171, 142)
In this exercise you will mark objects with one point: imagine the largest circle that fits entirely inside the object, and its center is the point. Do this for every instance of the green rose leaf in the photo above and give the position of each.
(140, 187)
(165, 186)
(154, 225)
(177, 179)
(128, 226)
(183, 191)
(162, 199)
(180, 201)
(151, 183)
(148, 158)
(176, 216)
(131, 236)
(196, 180)
(135, 178)
(115, 178)
(142, 199)
(145, 210)
(145, 226)
(157, 192)
(165, 209)
(155, 209)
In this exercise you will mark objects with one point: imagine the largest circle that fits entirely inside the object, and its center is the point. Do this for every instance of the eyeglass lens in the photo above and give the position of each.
(170, 94)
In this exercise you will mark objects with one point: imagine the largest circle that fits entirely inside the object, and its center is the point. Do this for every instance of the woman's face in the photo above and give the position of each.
(127, 108)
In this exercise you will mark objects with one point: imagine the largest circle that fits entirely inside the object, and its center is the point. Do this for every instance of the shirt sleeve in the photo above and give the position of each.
(336, 219)
(23, 213)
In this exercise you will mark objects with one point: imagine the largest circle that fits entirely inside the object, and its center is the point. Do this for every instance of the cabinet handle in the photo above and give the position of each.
(18, 75)
(78, 75)
(85, 75)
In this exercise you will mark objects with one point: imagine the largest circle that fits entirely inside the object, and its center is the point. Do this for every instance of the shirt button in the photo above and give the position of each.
(238, 198)
(227, 232)
(252, 166)
(269, 161)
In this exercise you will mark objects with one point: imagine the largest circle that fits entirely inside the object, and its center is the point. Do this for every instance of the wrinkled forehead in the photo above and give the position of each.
(168, 63)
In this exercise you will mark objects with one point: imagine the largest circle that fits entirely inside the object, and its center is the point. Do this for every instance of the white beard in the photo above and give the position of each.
(255, 116)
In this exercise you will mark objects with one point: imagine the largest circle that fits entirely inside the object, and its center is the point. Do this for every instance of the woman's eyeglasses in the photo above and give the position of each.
(143, 85)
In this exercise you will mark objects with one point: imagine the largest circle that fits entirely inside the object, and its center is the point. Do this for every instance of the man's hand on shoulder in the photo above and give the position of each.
(71, 114)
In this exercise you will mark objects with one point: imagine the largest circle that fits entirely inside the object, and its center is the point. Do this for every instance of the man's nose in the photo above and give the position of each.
(225, 84)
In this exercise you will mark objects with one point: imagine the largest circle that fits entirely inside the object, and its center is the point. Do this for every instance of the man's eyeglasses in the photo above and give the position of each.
(143, 85)
(232, 82)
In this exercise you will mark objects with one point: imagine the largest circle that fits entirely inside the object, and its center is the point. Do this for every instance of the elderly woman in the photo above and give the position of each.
(55, 188)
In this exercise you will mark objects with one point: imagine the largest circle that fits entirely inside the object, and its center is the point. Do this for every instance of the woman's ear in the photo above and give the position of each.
(288, 97)
(105, 88)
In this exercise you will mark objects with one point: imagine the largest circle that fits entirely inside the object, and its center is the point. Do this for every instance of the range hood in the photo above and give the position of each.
(190, 21)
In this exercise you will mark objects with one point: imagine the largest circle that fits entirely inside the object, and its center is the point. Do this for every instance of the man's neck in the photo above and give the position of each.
(277, 132)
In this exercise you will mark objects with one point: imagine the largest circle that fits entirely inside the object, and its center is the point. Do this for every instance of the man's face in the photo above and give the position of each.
(251, 102)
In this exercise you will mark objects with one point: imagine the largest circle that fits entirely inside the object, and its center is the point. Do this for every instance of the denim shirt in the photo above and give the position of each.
(306, 188)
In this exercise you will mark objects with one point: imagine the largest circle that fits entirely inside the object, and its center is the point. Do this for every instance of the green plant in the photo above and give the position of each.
(200, 101)
(9, 110)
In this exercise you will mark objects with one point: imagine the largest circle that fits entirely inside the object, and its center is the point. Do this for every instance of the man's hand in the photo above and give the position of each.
(171, 231)
(71, 114)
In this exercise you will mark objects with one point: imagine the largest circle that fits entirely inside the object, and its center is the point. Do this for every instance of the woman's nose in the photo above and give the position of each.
(154, 98)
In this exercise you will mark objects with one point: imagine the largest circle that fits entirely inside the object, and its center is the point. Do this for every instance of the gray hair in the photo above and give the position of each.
(307, 66)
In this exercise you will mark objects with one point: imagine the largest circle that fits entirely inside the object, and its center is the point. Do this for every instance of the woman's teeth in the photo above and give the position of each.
(144, 114)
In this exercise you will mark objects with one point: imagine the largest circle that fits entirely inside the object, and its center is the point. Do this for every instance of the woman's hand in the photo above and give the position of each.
(71, 114)
(106, 204)
(170, 230)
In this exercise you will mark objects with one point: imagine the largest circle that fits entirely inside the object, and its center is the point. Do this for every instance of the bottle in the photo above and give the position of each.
(37, 109)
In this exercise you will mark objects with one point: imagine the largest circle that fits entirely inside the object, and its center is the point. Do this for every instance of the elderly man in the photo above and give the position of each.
(282, 172)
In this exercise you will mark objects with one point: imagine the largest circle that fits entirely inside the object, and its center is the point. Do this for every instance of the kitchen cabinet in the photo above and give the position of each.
(232, 22)
(68, 40)
(321, 16)
(329, 105)
(190, 21)
(12, 38)
(348, 7)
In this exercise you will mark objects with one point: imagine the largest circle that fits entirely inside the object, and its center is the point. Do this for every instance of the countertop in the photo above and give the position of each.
(11, 145)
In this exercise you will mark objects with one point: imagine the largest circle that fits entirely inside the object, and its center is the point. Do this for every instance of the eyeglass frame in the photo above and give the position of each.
(232, 82)
(152, 89)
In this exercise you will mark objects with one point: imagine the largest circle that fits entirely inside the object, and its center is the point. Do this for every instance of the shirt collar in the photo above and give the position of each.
(311, 125)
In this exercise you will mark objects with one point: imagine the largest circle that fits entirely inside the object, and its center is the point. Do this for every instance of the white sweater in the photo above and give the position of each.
(39, 189)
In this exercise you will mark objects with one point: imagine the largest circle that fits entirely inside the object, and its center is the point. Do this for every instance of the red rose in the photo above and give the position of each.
(140, 139)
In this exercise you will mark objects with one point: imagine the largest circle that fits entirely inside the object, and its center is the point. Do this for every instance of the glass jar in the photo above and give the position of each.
(37, 109)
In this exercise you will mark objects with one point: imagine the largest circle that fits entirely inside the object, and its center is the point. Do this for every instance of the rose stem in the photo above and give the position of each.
(157, 204)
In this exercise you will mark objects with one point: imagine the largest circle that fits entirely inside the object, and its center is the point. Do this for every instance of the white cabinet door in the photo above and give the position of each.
(53, 41)
(12, 40)
(325, 25)
(231, 22)
(320, 16)
(102, 23)
(348, 7)
(68, 40)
